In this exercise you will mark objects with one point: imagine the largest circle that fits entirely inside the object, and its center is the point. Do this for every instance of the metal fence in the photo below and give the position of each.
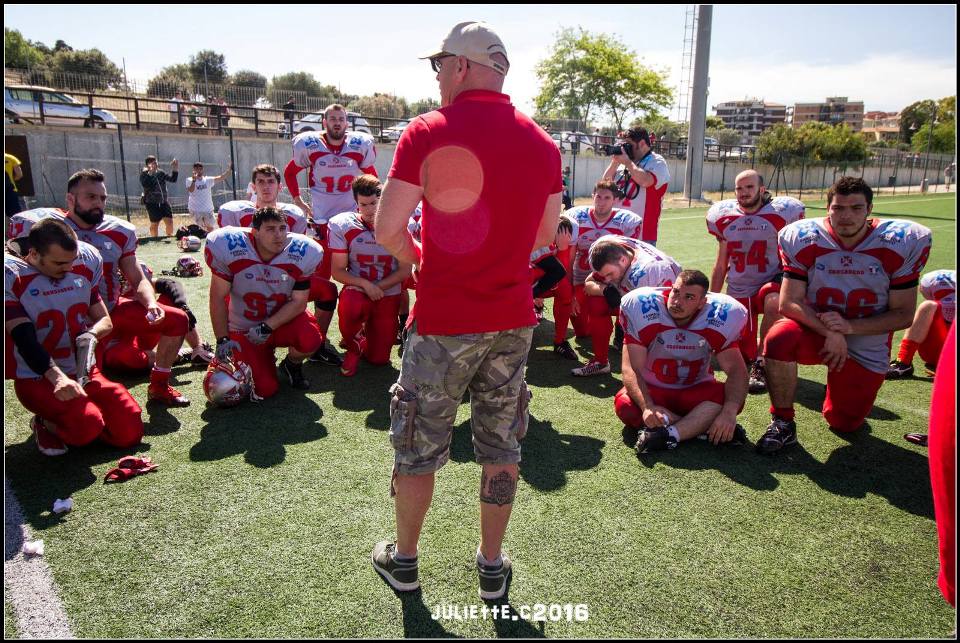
(106, 110)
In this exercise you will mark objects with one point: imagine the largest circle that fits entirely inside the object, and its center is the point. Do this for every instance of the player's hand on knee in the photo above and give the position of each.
(834, 351)
(655, 417)
(835, 323)
(259, 334)
(721, 430)
(155, 314)
(66, 389)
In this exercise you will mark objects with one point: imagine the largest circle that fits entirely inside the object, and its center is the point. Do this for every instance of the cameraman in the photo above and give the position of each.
(642, 180)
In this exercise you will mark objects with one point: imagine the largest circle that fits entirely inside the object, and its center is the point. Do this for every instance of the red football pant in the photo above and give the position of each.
(679, 401)
(125, 348)
(581, 322)
(324, 271)
(601, 326)
(754, 305)
(377, 320)
(301, 334)
(562, 295)
(851, 391)
(943, 464)
(932, 346)
(108, 412)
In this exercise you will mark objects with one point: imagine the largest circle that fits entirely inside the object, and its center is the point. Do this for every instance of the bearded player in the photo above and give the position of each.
(334, 159)
(370, 302)
(265, 272)
(54, 319)
(134, 316)
(849, 282)
(620, 265)
(748, 258)
(594, 222)
(669, 393)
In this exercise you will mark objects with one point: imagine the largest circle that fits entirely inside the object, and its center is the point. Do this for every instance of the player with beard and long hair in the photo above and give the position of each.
(334, 158)
(136, 316)
(746, 229)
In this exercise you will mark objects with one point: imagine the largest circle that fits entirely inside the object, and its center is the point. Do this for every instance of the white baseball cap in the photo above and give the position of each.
(476, 41)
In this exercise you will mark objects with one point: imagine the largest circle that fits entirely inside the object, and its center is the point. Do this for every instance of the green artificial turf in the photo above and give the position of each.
(261, 518)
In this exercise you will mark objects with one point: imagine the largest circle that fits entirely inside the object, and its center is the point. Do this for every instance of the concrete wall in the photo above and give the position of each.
(57, 152)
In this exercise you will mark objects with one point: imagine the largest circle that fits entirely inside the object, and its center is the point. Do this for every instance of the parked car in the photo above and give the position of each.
(22, 103)
(392, 134)
(314, 123)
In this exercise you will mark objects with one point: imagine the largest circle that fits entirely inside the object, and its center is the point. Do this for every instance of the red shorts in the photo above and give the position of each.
(301, 334)
(108, 412)
(678, 401)
(324, 271)
(126, 347)
(851, 391)
(932, 346)
(754, 306)
(323, 290)
(377, 320)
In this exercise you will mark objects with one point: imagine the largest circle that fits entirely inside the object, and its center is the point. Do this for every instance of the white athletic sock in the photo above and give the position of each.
(490, 563)
(672, 430)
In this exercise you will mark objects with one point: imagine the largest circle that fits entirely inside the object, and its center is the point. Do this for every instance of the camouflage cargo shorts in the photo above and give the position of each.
(436, 371)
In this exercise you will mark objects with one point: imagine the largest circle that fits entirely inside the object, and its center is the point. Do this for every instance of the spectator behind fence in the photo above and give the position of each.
(224, 113)
(490, 196)
(176, 108)
(289, 111)
(200, 196)
(12, 202)
(948, 173)
(154, 197)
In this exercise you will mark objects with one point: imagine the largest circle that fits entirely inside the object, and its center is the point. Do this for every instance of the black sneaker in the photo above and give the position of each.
(401, 575)
(327, 355)
(494, 580)
(294, 373)
(618, 337)
(739, 437)
(564, 350)
(898, 370)
(402, 341)
(780, 434)
(920, 439)
(758, 378)
(654, 440)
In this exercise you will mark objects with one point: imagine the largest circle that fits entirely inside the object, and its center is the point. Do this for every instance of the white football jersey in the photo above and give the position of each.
(753, 257)
(333, 169)
(680, 357)
(239, 214)
(366, 258)
(621, 222)
(540, 253)
(856, 283)
(941, 285)
(259, 288)
(650, 267)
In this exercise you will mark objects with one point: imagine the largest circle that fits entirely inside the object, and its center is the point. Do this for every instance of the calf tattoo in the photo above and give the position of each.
(498, 490)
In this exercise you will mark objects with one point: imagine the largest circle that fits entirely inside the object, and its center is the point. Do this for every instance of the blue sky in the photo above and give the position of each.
(887, 56)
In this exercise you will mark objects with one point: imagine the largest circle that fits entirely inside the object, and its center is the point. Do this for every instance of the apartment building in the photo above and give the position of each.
(751, 117)
(835, 110)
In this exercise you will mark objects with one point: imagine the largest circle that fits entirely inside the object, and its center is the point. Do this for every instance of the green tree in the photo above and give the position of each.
(382, 105)
(99, 71)
(724, 135)
(248, 78)
(715, 122)
(18, 52)
(208, 66)
(169, 80)
(944, 138)
(812, 141)
(947, 109)
(915, 116)
(61, 46)
(297, 81)
(587, 72)
(423, 106)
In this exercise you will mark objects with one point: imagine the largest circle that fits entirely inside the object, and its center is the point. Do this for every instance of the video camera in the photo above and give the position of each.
(620, 148)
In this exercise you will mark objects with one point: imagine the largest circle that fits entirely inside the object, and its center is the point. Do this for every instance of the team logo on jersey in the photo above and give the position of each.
(874, 269)
(944, 279)
(235, 240)
(648, 306)
(717, 315)
(107, 245)
(356, 141)
(34, 292)
(807, 229)
(846, 262)
(820, 266)
(681, 337)
(248, 275)
(637, 274)
(311, 141)
(298, 248)
(895, 233)
(79, 282)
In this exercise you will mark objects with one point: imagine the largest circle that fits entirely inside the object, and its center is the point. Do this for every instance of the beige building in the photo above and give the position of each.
(835, 110)
(751, 117)
(882, 126)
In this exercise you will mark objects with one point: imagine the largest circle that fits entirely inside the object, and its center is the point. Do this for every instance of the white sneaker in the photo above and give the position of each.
(201, 353)
(592, 368)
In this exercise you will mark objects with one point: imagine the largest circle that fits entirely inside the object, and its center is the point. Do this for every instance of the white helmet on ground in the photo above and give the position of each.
(190, 244)
(228, 383)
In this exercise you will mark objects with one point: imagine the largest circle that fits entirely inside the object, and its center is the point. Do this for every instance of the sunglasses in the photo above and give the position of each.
(435, 63)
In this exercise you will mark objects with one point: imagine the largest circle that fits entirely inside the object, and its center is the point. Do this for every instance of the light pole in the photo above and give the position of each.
(926, 161)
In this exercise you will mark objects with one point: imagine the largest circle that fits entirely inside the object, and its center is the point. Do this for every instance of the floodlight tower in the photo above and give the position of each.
(693, 185)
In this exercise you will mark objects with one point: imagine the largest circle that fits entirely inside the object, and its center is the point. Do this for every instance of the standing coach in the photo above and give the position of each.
(484, 211)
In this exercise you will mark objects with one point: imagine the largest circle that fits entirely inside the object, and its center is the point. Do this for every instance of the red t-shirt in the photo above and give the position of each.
(943, 463)
(486, 171)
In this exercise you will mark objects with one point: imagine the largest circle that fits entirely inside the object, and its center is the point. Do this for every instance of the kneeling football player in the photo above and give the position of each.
(930, 326)
(265, 272)
(670, 394)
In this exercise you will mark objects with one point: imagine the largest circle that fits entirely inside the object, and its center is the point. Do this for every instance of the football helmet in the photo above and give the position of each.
(227, 383)
(190, 244)
(187, 267)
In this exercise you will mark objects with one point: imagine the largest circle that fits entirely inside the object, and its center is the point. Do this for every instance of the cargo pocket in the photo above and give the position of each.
(523, 410)
(403, 411)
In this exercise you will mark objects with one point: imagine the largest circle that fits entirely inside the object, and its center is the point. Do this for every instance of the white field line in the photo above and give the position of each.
(28, 583)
